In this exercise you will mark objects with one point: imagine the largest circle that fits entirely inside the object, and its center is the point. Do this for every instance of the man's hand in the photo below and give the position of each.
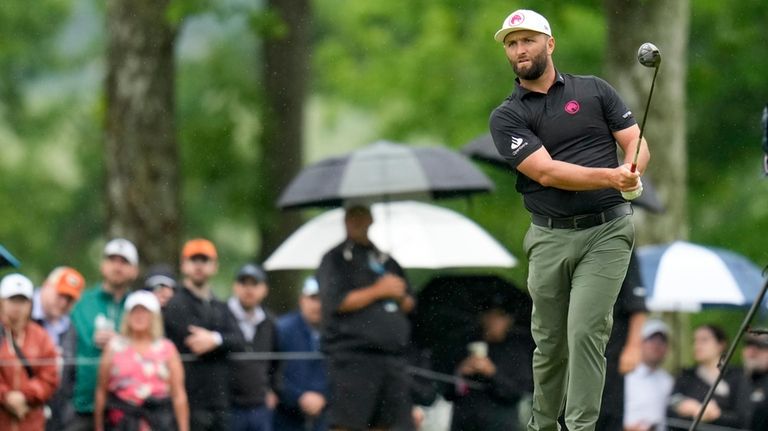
(201, 340)
(102, 337)
(391, 286)
(633, 194)
(477, 365)
(712, 412)
(271, 399)
(688, 408)
(312, 403)
(630, 357)
(622, 178)
(16, 403)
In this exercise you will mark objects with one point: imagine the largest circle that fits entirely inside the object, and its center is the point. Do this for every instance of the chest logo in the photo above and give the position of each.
(572, 107)
(516, 142)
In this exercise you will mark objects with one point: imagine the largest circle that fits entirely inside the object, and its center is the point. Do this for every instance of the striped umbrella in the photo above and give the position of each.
(385, 171)
(682, 276)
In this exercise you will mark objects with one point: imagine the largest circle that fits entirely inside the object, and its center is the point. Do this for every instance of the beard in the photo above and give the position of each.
(536, 69)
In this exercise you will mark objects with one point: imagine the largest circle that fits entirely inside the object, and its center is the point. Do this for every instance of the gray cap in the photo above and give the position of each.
(251, 270)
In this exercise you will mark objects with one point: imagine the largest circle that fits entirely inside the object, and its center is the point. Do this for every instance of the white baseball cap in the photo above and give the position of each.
(123, 248)
(523, 19)
(653, 327)
(144, 298)
(311, 287)
(16, 285)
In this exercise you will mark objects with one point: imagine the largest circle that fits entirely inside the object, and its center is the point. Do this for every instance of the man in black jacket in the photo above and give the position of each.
(496, 372)
(365, 331)
(252, 380)
(199, 324)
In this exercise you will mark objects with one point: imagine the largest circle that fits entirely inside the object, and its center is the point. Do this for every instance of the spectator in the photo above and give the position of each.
(730, 403)
(96, 318)
(253, 399)
(623, 351)
(51, 307)
(647, 388)
(161, 281)
(199, 324)
(28, 377)
(141, 379)
(365, 331)
(304, 386)
(755, 358)
(498, 370)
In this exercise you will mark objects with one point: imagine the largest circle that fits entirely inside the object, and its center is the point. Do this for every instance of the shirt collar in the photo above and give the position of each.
(257, 316)
(522, 91)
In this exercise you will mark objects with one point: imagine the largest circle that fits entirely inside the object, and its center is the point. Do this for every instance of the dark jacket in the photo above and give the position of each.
(758, 396)
(251, 379)
(207, 377)
(734, 404)
(494, 406)
(379, 328)
(299, 376)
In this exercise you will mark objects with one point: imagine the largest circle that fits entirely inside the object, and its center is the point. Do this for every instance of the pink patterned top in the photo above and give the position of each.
(135, 376)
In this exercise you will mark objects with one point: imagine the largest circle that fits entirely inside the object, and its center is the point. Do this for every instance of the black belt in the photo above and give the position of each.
(584, 221)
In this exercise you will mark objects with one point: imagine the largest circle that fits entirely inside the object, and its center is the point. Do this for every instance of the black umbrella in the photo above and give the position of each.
(385, 171)
(7, 259)
(482, 148)
(449, 307)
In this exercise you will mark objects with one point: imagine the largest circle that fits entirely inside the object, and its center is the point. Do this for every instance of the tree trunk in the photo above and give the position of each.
(664, 23)
(285, 77)
(141, 157)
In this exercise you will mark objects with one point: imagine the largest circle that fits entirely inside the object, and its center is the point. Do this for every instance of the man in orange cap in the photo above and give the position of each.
(199, 324)
(54, 301)
(51, 306)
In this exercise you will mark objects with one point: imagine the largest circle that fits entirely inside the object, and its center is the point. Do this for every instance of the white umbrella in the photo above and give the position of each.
(416, 234)
(682, 276)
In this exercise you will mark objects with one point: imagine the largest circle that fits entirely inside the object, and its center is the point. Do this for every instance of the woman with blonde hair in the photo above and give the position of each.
(141, 379)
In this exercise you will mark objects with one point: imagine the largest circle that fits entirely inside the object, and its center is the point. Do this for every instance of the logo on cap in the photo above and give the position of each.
(572, 107)
(516, 19)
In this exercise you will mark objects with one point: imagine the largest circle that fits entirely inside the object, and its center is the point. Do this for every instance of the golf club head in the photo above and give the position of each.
(648, 55)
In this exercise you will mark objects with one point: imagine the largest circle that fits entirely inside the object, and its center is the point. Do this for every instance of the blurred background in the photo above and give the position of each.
(163, 120)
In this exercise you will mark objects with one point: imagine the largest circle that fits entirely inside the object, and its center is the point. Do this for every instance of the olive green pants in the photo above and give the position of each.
(574, 279)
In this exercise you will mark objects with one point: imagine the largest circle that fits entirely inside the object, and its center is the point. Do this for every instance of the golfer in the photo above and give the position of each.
(560, 132)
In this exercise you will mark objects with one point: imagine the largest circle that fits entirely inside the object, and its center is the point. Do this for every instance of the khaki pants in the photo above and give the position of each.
(574, 279)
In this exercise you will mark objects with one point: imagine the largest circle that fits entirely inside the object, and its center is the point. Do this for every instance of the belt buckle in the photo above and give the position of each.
(587, 222)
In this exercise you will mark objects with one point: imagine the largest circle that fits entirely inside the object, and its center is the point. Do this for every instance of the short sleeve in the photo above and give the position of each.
(513, 138)
(617, 115)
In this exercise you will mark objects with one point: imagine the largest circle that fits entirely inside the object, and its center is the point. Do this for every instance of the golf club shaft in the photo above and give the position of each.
(724, 365)
(645, 117)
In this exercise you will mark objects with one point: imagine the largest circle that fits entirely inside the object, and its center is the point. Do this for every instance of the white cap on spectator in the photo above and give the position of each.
(311, 287)
(653, 327)
(142, 298)
(16, 285)
(123, 248)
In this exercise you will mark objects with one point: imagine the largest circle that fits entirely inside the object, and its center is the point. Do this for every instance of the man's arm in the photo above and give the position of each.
(627, 140)
(388, 286)
(540, 167)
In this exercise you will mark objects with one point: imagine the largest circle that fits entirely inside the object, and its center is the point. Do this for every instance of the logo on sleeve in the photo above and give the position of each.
(516, 144)
(627, 115)
(572, 107)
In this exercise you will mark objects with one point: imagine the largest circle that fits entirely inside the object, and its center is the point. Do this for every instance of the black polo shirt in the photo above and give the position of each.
(379, 328)
(574, 121)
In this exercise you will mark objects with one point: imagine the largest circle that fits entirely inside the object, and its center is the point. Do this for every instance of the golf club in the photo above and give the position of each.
(649, 56)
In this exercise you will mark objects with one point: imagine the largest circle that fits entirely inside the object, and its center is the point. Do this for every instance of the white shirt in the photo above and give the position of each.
(646, 396)
(248, 321)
